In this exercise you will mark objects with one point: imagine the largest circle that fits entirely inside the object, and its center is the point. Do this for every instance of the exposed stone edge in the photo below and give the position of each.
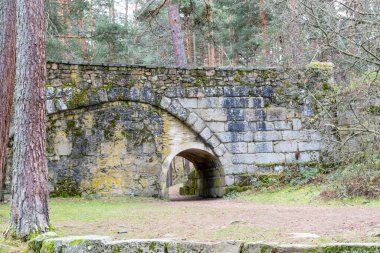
(85, 63)
(105, 244)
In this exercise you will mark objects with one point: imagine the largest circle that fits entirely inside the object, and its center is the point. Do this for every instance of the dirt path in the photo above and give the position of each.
(230, 219)
(215, 220)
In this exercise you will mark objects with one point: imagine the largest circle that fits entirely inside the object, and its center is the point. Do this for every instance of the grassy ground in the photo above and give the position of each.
(246, 218)
(306, 195)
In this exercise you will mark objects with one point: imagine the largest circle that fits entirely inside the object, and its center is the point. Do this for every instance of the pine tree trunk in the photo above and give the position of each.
(29, 209)
(126, 12)
(195, 49)
(92, 29)
(177, 36)
(188, 42)
(68, 17)
(83, 39)
(294, 41)
(7, 78)
(264, 23)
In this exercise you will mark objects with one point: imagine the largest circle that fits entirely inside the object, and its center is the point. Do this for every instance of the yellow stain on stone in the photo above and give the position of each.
(62, 145)
(166, 136)
(74, 78)
(112, 180)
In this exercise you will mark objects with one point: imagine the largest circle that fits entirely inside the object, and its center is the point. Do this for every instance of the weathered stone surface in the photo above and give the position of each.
(98, 244)
(261, 158)
(260, 147)
(111, 128)
(267, 136)
(285, 147)
(237, 147)
(276, 114)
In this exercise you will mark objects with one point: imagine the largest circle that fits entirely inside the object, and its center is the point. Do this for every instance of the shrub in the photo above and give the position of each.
(358, 177)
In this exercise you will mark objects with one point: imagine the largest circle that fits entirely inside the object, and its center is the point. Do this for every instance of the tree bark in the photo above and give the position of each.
(29, 208)
(68, 16)
(264, 24)
(294, 41)
(188, 41)
(83, 39)
(7, 78)
(177, 36)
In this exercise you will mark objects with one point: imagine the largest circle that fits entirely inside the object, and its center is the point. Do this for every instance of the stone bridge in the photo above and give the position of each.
(115, 129)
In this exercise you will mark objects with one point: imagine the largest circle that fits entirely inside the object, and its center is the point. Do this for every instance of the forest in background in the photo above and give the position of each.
(219, 33)
(241, 33)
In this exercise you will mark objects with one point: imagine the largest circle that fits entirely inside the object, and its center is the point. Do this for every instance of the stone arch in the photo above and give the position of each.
(79, 98)
(208, 165)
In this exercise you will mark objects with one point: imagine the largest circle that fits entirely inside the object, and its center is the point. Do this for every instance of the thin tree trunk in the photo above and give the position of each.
(7, 79)
(188, 42)
(296, 48)
(29, 208)
(68, 17)
(126, 12)
(92, 29)
(195, 49)
(83, 38)
(177, 36)
(112, 11)
(264, 24)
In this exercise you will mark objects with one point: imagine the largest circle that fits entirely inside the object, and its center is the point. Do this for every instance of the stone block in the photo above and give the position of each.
(230, 136)
(235, 102)
(50, 92)
(239, 126)
(199, 125)
(206, 134)
(297, 124)
(216, 126)
(267, 136)
(236, 91)
(165, 103)
(255, 115)
(310, 146)
(260, 147)
(61, 104)
(148, 95)
(208, 102)
(213, 91)
(291, 135)
(268, 91)
(237, 147)
(220, 150)
(261, 126)
(236, 169)
(230, 180)
(192, 119)
(134, 94)
(213, 141)
(282, 125)
(307, 156)
(215, 114)
(276, 114)
(50, 108)
(235, 114)
(260, 158)
(256, 103)
(189, 102)
(285, 146)
(175, 92)
(177, 110)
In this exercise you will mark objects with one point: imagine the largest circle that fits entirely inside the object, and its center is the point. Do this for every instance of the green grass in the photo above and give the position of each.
(152, 218)
(306, 195)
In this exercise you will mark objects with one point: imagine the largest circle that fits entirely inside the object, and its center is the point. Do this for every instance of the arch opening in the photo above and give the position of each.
(204, 177)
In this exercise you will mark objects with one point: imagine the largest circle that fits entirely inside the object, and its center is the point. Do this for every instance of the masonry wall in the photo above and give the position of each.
(107, 124)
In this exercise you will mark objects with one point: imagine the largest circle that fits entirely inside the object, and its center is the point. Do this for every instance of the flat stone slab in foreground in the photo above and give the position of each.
(84, 244)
